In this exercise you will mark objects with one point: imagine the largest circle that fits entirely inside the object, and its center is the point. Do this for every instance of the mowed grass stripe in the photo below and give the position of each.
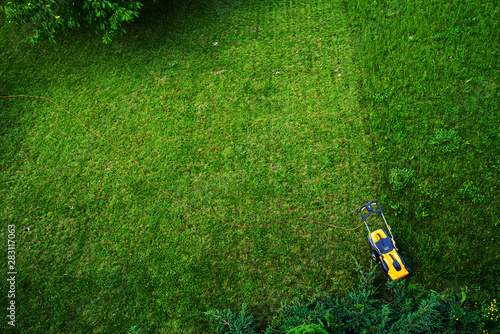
(261, 127)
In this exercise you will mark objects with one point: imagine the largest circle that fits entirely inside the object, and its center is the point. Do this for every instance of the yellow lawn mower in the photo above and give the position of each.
(383, 249)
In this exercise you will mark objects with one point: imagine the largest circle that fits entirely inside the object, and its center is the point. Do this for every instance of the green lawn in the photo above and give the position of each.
(254, 113)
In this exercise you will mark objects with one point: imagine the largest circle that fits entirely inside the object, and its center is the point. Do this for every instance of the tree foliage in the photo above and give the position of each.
(44, 19)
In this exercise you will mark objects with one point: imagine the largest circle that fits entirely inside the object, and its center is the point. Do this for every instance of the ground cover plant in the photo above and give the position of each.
(253, 112)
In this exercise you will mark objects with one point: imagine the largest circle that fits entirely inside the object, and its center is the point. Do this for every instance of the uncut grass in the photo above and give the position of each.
(427, 66)
(256, 129)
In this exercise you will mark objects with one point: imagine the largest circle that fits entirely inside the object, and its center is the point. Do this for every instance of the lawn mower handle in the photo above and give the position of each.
(368, 206)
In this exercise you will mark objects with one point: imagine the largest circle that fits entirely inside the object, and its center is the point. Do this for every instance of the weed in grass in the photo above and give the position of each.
(470, 191)
(399, 178)
(490, 312)
(136, 330)
(497, 166)
(447, 140)
(382, 96)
